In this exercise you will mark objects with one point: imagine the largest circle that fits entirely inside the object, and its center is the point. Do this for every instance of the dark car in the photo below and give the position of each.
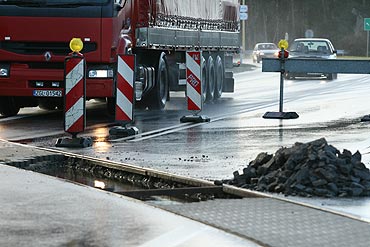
(312, 48)
(262, 50)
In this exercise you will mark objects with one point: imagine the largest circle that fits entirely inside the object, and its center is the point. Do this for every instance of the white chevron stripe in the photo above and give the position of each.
(74, 76)
(74, 113)
(194, 95)
(125, 71)
(193, 66)
(124, 104)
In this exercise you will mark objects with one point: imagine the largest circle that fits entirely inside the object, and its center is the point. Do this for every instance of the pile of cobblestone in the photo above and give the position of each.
(307, 169)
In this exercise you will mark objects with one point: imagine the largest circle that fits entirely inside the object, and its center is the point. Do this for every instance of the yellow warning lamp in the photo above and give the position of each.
(283, 44)
(76, 45)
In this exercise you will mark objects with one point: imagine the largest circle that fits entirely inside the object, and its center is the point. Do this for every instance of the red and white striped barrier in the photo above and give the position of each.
(194, 87)
(125, 88)
(125, 96)
(193, 80)
(74, 107)
(74, 102)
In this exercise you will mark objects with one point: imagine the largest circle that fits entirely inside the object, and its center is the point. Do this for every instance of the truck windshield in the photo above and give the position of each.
(53, 2)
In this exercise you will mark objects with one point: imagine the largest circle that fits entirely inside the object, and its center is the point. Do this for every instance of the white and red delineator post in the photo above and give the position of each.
(125, 95)
(74, 101)
(194, 87)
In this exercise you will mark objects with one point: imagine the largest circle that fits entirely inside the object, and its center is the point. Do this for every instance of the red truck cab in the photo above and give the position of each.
(34, 41)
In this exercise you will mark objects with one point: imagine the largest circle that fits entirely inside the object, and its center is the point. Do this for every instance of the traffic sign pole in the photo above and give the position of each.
(283, 55)
(243, 13)
(367, 28)
(367, 44)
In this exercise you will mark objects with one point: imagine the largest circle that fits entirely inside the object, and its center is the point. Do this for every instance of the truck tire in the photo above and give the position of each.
(8, 106)
(331, 76)
(111, 106)
(219, 78)
(204, 80)
(49, 105)
(160, 92)
(210, 79)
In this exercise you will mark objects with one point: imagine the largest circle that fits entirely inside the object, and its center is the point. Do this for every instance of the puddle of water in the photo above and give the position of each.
(118, 181)
(59, 170)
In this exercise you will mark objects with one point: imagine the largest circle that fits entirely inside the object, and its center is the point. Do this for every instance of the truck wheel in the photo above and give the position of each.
(287, 76)
(8, 106)
(219, 77)
(161, 89)
(204, 80)
(111, 106)
(331, 76)
(47, 104)
(210, 79)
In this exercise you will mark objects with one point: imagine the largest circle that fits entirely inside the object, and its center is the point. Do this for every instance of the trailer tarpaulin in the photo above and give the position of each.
(199, 9)
(191, 14)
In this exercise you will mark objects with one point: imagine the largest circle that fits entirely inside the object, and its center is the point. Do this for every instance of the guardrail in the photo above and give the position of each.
(310, 65)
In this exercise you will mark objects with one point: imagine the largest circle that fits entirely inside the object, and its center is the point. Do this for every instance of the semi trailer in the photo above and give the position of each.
(35, 36)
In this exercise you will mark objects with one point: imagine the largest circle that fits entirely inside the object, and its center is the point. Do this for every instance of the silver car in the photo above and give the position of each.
(312, 48)
(262, 50)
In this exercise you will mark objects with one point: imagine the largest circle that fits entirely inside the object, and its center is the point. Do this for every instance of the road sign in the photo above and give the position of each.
(243, 16)
(243, 12)
(308, 33)
(243, 8)
(193, 79)
(194, 89)
(125, 88)
(74, 107)
(366, 24)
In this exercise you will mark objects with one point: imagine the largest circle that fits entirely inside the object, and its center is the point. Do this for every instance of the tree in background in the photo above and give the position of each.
(338, 20)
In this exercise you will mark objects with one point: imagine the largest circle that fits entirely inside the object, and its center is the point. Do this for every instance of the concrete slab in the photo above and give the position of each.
(278, 223)
(40, 210)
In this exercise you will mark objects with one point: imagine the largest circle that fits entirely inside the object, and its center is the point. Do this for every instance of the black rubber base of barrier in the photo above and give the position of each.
(365, 118)
(76, 142)
(281, 115)
(194, 119)
(121, 131)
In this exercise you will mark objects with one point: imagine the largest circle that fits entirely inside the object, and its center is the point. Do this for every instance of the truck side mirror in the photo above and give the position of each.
(119, 4)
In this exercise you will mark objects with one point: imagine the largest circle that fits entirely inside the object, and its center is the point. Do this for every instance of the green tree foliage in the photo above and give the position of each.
(341, 21)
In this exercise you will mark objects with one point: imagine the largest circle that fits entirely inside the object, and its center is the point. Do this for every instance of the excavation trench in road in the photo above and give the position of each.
(142, 184)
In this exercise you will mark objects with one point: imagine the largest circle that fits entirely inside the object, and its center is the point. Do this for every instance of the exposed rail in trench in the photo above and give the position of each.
(143, 182)
(147, 182)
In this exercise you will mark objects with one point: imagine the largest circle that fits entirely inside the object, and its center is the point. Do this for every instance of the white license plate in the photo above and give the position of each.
(47, 93)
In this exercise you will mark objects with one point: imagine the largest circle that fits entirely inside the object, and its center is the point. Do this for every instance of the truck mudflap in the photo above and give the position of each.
(228, 86)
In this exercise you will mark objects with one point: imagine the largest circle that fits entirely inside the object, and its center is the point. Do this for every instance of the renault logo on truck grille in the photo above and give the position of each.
(47, 56)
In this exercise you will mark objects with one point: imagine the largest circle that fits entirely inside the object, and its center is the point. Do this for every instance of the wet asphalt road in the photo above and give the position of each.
(236, 134)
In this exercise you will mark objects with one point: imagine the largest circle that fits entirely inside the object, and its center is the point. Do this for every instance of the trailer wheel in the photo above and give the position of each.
(210, 79)
(331, 76)
(219, 77)
(161, 89)
(204, 79)
(8, 106)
